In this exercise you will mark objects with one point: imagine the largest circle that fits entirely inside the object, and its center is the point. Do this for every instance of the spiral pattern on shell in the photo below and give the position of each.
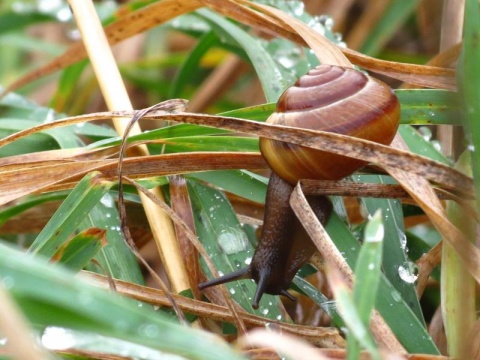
(334, 99)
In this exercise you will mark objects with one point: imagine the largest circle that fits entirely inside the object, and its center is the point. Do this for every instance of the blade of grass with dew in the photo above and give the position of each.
(239, 182)
(395, 260)
(50, 295)
(265, 67)
(227, 245)
(421, 146)
(117, 259)
(80, 250)
(367, 278)
(66, 219)
(392, 19)
(408, 329)
(321, 300)
(429, 106)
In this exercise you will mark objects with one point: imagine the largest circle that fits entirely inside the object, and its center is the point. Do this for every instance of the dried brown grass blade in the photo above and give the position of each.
(282, 24)
(181, 205)
(17, 181)
(340, 144)
(380, 330)
(420, 75)
(320, 336)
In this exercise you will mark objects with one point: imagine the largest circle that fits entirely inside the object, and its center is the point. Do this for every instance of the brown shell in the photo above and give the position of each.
(334, 99)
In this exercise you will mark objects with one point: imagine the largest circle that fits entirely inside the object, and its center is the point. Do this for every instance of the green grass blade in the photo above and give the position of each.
(239, 182)
(350, 315)
(429, 106)
(404, 323)
(457, 284)
(321, 300)
(394, 16)
(469, 86)
(367, 277)
(81, 249)
(189, 68)
(421, 145)
(29, 203)
(227, 244)
(51, 296)
(395, 260)
(116, 258)
(265, 67)
(81, 200)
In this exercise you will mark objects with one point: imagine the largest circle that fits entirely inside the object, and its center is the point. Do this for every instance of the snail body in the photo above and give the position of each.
(328, 98)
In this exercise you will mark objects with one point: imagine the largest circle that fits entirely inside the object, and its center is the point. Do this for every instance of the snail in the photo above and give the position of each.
(329, 98)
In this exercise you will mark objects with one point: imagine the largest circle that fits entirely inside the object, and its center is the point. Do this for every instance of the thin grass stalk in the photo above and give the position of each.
(116, 97)
(457, 285)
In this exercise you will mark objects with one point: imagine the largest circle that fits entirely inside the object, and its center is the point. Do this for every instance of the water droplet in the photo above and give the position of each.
(403, 240)
(148, 330)
(326, 21)
(232, 240)
(107, 201)
(437, 145)
(232, 291)
(425, 132)
(56, 338)
(371, 266)
(407, 273)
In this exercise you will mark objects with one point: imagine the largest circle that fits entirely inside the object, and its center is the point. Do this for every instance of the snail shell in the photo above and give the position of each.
(334, 99)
